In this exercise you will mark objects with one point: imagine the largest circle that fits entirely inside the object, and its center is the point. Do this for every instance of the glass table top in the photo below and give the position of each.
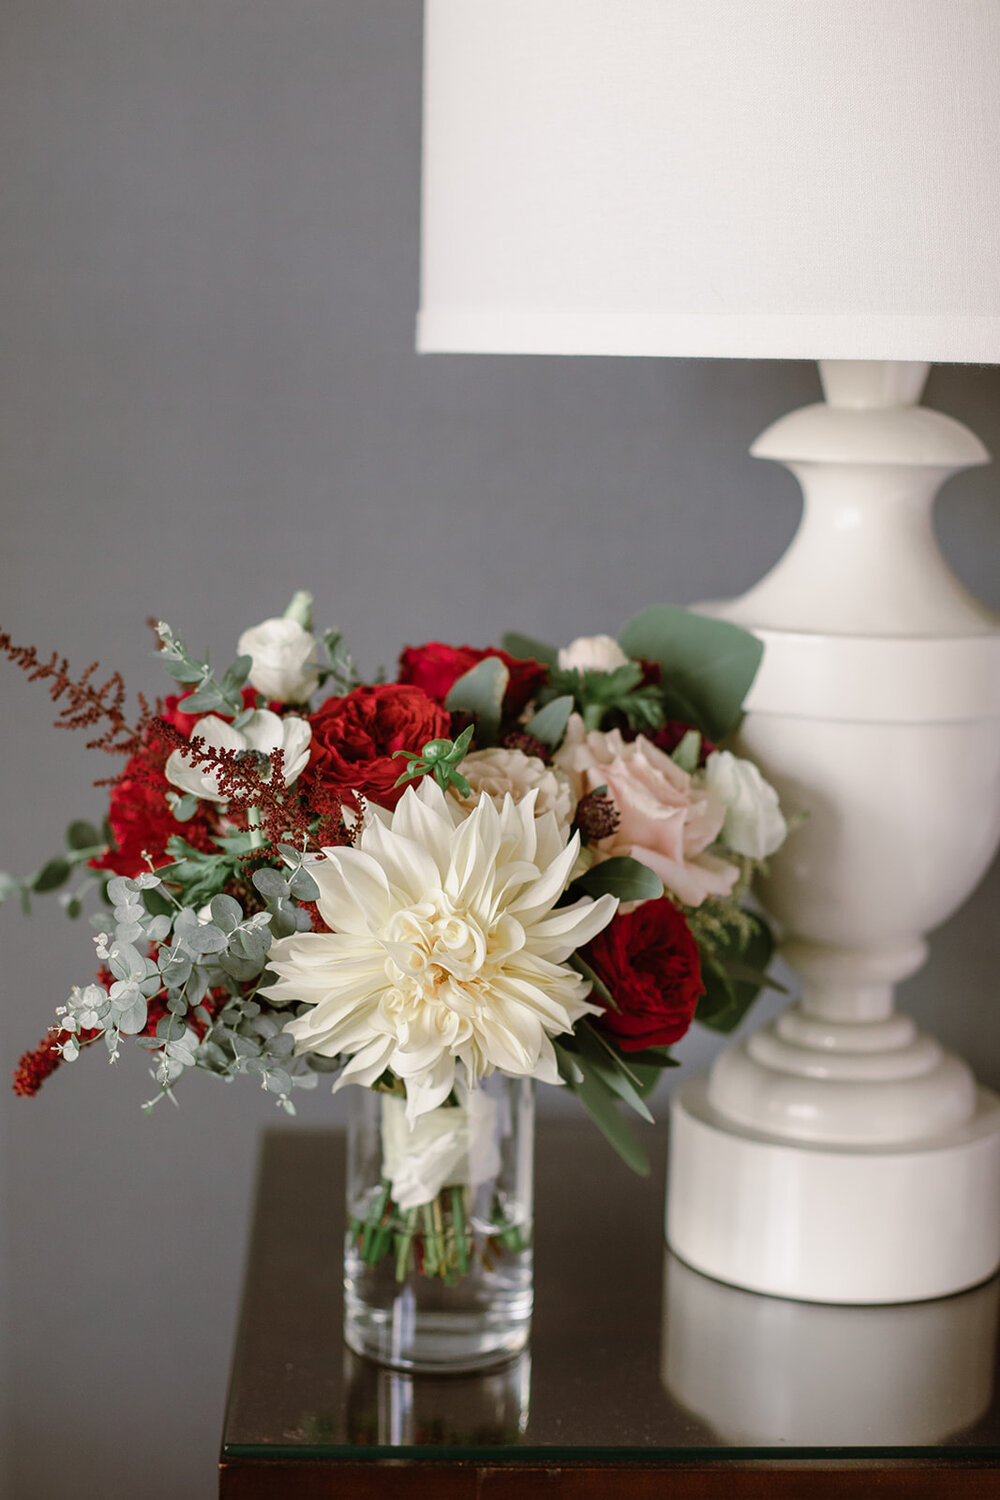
(633, 1355)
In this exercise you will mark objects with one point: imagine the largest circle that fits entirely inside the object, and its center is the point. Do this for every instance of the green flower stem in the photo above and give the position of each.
(431, 1258)
(372, 1225)
(254, 827)
(458, 1221)
(404, 1244)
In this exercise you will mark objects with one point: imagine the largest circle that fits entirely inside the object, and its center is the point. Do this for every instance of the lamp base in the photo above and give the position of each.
(821, 1223)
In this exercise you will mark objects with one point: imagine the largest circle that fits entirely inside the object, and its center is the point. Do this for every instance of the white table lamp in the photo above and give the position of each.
(785, 179)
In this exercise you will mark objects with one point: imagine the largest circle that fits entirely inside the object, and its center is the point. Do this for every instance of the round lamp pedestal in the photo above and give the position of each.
(839, 1155)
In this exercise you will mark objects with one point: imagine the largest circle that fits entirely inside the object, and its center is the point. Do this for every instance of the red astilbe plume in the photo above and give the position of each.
(280, 813)
(34, 1067)
(86, 704)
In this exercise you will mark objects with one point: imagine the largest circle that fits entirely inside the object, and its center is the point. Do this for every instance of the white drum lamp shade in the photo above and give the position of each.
(809, 179)
(805, 179)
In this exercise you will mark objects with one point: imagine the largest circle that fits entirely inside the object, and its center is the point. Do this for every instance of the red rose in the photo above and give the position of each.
(436, 667)
(649, 961)
(354, 738)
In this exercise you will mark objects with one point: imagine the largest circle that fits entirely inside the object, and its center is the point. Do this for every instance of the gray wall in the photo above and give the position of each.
(208, 249)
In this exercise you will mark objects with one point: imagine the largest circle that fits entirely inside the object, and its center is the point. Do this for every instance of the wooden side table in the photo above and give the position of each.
(642, 1378)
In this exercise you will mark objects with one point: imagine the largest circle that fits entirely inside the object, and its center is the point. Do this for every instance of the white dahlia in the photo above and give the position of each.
(445, 947)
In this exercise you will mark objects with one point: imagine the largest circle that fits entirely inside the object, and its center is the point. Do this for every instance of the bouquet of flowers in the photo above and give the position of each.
(517, 860)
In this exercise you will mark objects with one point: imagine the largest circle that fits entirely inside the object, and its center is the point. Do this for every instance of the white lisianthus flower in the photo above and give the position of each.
(592, 653)
(264, 733)
(754, 824)
(444, 947)
(499, 773)
(282, 669)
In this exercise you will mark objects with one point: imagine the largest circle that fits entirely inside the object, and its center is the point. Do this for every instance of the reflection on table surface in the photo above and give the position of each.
(764, 1371)
(392, 1408)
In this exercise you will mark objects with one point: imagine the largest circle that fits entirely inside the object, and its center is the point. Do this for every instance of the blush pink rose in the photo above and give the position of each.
(667, 819)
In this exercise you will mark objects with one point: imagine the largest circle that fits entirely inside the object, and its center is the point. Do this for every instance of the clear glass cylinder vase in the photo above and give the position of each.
(438, 1247)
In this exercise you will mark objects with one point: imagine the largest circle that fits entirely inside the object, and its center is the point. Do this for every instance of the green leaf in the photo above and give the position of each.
(688, 752)
(526, 648)
(206, 701)
(480, 693)
(708, 665)
(733, 973)
(227, 913)
(597, 1055)
(181, 671)
(83, 835)
(580, 964)
(599, 1102)
(623, 877)
(236, 675)
(303, 886)
(549, 724)
(52, 875)
(9, 884)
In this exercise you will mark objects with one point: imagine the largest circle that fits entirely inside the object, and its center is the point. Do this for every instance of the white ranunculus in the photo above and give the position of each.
(445, 947)
(282, 669)
(592, 653)
(264, 732)
(447, 1146)
(754, 824)
(500, 773)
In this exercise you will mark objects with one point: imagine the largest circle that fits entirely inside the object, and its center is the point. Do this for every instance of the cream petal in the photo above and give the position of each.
(569, 927)
(354, 892)
(409, 868)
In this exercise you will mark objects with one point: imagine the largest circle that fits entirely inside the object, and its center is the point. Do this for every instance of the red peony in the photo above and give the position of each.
(354, 738)
(649, 961)
(436, 667)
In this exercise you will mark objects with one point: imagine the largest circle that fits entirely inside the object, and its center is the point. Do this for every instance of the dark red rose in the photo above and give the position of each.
(141, 819)
(649, 961)
(435, 668)
(354, 738)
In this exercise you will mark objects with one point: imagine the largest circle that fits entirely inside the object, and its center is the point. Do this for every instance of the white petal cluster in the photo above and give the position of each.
(754, 825)
(446, 947)
(282, 655)
(264, 732)
(592, 653)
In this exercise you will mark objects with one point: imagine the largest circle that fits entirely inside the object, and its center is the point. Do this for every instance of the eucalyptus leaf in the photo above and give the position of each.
(623, 877)
(526, 648)
(227, 913)
(236, 675)
(9, 885)
(207, 699)
(707, 664)
(277, 1081)
(549, 724)
(272, 885)
(303, 886)
(480, 693)
(133, 1018)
